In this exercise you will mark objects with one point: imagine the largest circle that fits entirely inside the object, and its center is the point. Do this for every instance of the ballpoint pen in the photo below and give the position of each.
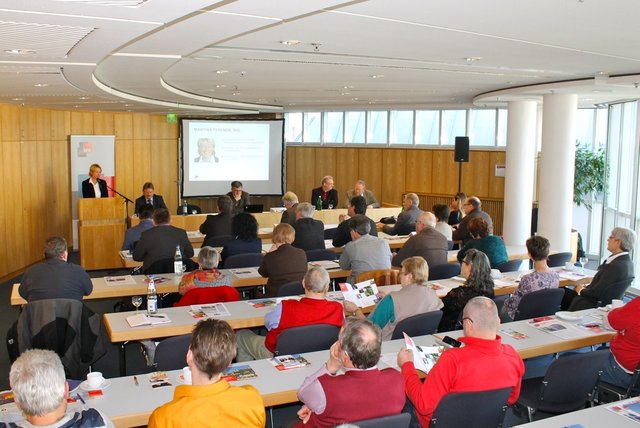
(80, 398)
(135, 380)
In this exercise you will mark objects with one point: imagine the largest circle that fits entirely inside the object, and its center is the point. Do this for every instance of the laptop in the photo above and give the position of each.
(253, 208)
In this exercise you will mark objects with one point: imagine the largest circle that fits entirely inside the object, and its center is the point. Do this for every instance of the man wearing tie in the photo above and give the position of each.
(148, 197)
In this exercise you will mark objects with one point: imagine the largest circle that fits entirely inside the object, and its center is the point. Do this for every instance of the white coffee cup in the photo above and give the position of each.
(95, 379)
(495, 273)
(616, 303)
(568, 266)
(186, 375)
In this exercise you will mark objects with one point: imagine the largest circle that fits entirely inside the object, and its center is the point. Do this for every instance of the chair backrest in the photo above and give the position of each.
(539, 303)
(381, 276)
(217, 241)
(330, 233)
(202, 296)
(243, 260)
(559, 259)
(570, 381)
(320, 254)
(471, 409)
(401, 420)
(510, 266)
(449, 245)
(290, 289)
(444, 271)
(307, 338)
(418, 325)
(499, 301)
(614, 291)
(171, 353)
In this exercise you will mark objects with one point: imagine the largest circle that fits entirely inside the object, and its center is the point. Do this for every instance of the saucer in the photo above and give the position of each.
(568, 316)
(181, 380)
(85, 386)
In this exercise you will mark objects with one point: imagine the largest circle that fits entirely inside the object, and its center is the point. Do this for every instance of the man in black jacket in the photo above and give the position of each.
(309, 232)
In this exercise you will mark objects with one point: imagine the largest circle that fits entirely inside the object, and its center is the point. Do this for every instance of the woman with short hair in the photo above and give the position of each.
(207, 274)
(283, 263)
(483, 240)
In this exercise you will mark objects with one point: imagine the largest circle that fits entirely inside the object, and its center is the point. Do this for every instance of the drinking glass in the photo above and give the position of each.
(330, 206)
(583, 263)
(136, 301)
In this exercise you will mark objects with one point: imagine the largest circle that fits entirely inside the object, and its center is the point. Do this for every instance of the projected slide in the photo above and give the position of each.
(214, 153)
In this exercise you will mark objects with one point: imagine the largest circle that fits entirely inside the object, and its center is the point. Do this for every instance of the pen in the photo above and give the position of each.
(155, 316)
(135, 380)
(80, 398)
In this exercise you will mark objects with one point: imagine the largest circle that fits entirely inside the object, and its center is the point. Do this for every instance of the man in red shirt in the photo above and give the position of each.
(625, 345)
(483, 363)
(313, 308)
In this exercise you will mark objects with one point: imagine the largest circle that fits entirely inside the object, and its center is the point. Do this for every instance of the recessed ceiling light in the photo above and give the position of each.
(41, 85)
(290, 42)
(376, 76)
(473, 58)
(20, 51)
(221, 71)
(221, 86)
(84, 98)
(17, 99)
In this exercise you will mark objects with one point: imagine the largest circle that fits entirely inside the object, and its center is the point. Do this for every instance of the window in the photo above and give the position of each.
(401, 127)
(354, 125)
(293, 127)
(427, 127)
(453, 125)
(482, 127)
(333, 127)
(501, 136)
(312, 127)
(377, 127)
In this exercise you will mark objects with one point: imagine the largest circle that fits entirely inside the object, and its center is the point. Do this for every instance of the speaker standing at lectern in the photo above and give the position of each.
(94, 186)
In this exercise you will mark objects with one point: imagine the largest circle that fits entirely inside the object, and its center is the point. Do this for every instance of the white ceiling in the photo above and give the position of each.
(198, 57)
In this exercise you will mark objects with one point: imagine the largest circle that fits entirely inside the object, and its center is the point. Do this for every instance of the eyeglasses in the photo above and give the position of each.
(467, 319)
(466, 263)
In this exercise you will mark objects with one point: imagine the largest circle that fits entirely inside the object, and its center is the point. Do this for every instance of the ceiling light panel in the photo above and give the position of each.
(51, 41)
(120, 3)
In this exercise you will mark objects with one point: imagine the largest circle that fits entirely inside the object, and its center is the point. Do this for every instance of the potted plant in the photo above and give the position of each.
(590, 174)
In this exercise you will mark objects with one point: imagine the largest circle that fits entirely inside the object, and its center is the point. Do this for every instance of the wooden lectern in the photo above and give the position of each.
(101, 226)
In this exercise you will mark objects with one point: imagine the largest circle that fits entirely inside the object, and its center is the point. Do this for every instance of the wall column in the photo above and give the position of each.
(519, 176)
(557, 163)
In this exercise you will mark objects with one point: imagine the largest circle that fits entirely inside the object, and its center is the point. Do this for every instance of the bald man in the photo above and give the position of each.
(427, 243)
(484, 363)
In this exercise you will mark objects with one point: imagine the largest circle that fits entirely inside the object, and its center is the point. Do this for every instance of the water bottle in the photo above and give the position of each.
(177, 261)
(319, 203)
(152, 297)
(185, 207)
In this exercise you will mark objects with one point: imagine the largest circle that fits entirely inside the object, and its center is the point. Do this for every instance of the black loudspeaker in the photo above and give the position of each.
(462, 149)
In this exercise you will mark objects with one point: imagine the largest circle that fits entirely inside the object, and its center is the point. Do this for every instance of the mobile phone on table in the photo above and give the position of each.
(452, 342)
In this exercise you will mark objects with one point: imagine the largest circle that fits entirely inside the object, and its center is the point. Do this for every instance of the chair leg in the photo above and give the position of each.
(530, 413)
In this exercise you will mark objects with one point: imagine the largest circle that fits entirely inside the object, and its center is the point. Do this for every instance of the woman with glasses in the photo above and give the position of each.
(413, 298)
(485, 241)
(475, 268)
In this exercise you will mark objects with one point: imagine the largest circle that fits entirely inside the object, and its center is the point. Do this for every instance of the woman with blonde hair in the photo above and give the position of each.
(290, 202)
(284, 262)
(457, 208)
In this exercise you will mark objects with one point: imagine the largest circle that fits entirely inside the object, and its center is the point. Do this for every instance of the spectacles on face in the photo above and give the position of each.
(466, 263)
(467, 319)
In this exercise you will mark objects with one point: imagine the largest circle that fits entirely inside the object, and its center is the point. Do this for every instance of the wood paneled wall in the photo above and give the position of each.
(390, 173)
(36, 196)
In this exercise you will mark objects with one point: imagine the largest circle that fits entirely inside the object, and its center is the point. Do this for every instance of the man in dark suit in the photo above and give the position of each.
(427, 243)
(309, 232)
(159, 242)
(406, 222)
(472, 209)
(220, 224)
(149, 197)
(358, 205)
(327, 194)
(616, 268)
(94, 184)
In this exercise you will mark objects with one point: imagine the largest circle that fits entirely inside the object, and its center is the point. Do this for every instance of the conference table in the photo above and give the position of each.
(135, 285)
(130, 405)
(592, 417)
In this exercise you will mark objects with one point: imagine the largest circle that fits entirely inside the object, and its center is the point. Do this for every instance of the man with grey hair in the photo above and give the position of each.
(40, 391)
(472, 209)
(406, 222)
(327, 194)
(313, 308)
(616, 268)
(364, 252)
(330, 398)
(427, 243)
(55, 278)
(360, 189)
(309, 232)
(482, 364)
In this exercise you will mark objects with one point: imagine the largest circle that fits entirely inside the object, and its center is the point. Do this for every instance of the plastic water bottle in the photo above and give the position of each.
(177, 261)
(152, 297)
(185, 207)
(319, 203)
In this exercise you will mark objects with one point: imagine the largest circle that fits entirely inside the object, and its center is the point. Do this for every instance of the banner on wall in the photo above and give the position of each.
(85, 150)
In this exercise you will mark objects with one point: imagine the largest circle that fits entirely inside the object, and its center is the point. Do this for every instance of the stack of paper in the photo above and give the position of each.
(144, 319)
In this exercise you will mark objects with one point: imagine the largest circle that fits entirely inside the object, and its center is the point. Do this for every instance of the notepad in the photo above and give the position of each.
(144, 319)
